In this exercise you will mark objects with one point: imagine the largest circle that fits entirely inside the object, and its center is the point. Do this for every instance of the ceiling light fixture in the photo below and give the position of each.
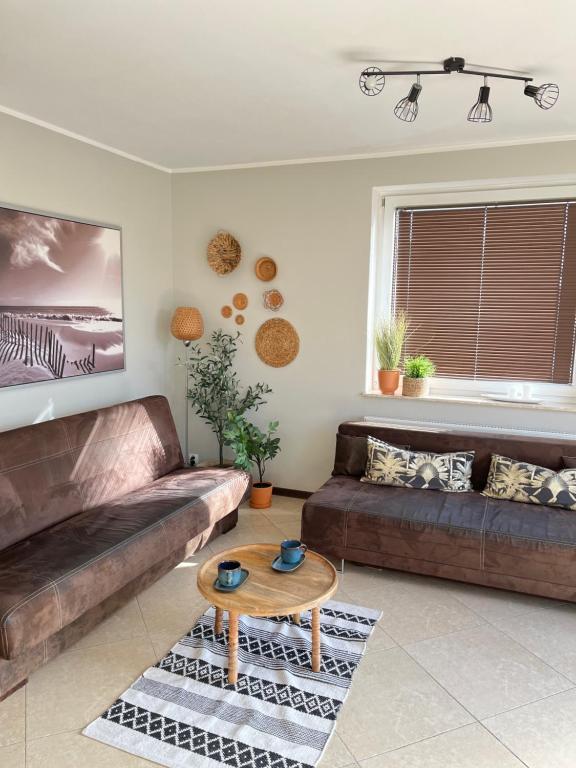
(407, 108)
(481, 112)
(373, 79)
(544, 96)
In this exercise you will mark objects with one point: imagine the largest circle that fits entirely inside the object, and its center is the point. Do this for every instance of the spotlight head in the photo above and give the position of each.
(545, 96)
(481, 112)
(407, 108)
(371, 81)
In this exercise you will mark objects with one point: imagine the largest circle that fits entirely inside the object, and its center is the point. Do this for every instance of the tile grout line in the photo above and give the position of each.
(520, 613)
(412, 743)
(475, 719)
(533, 653)
(499, 740)
(518, 642)
(528, 703)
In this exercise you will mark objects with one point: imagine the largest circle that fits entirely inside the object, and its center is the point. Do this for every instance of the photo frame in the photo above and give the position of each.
(61, 297)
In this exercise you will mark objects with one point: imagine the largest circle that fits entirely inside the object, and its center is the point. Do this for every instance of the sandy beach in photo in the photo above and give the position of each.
(60, 298)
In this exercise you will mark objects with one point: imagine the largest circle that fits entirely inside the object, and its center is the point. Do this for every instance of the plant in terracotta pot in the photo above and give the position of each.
(389, 340)
(253, 448)
(417, 372)
(214, 388)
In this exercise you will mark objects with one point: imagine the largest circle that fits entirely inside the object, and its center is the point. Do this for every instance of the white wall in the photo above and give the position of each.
(315, 221)
(43, 170)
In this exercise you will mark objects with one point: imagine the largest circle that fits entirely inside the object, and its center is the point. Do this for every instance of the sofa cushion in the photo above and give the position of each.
(465, 529)
(530, 483)
(389, 465)
(346, 515)
(546, 451)
(53, 577)
(56, 469)
(351, 455)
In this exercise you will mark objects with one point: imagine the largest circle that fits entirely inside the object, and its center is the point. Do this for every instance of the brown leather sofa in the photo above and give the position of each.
(94, 508)
(462, 536)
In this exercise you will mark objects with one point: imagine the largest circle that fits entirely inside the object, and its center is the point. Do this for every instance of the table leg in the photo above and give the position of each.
(232, 647)
(296, 618)
(218, 621)
(315, 639)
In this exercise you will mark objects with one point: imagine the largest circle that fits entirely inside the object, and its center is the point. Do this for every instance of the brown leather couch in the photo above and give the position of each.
(463, 536)
(94, 508)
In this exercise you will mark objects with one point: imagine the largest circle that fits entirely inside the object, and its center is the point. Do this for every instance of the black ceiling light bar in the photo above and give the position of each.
(373, 79)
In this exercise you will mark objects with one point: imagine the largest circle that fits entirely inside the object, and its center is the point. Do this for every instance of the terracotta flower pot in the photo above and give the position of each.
(415, 387)
(388, 381)
(261, 495)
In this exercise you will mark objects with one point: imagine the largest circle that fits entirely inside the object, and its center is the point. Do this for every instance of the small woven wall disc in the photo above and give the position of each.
(239, 319)
(273, 299)
(277, 342)
(224, 253)
(240, 300)
(226, 311)
(266, 269)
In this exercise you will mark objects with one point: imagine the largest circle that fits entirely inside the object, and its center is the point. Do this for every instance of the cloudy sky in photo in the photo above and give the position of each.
(46, 261)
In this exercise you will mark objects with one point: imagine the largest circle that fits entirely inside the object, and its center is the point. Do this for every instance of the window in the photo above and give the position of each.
(490, 288)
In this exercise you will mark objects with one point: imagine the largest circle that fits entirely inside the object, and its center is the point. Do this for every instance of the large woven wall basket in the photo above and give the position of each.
(277, 342)
(224, 253)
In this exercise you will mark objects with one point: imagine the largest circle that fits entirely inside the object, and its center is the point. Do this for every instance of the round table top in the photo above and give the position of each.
(267, 592)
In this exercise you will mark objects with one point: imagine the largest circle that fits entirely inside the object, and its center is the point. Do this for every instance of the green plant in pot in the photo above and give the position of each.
(214, 388)
(417, 373)
(389, 340)
(253, 448)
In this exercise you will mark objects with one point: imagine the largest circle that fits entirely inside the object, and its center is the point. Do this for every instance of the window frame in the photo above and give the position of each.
(385, 201)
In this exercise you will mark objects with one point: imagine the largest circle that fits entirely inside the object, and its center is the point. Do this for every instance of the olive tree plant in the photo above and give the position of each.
(214, 388)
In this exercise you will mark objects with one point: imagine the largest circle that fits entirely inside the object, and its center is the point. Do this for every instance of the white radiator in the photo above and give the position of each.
(443, 426)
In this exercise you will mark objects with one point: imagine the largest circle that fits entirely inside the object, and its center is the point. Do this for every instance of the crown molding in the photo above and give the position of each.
(79, 137)
(425, 150)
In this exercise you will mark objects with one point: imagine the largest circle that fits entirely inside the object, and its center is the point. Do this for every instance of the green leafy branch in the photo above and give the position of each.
(251, 446)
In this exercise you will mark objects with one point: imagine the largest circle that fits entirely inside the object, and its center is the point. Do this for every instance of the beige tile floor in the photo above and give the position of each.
(455, 676)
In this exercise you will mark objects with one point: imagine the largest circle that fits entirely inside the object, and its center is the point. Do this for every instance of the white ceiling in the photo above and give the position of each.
(196, 83)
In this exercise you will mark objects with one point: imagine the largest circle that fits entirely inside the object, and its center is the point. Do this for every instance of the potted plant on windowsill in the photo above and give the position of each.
(417, 373)
(389, 341)
(253, 448)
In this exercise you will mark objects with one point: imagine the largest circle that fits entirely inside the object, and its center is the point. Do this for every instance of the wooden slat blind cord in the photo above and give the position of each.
(490, 289)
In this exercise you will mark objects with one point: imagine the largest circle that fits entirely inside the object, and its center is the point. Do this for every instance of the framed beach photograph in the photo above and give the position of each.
(61, 312)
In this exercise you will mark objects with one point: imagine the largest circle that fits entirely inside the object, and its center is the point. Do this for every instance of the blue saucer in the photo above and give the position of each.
(279, 565)
(221, 588)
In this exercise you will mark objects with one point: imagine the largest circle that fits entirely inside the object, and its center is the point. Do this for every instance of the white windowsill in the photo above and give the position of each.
(569, 407)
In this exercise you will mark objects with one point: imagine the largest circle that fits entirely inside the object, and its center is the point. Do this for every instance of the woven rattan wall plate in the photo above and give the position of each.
(239, 319)
(277, 342)
(224, 253)
(266, 269)
(226, 311)
(240, 300)
(273, 299)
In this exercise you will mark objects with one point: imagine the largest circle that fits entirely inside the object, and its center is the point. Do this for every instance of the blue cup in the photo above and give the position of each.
(229, 573)
(292, 550)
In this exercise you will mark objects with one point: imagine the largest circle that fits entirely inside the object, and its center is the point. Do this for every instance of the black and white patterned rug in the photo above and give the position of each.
(183, 713)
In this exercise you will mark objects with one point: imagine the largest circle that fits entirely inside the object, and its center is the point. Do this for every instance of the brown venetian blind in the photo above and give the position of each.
(490, 289)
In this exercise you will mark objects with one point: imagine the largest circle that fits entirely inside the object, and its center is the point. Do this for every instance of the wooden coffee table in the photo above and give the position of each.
(268, 593)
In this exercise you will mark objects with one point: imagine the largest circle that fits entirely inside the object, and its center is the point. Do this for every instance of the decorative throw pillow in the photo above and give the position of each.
(519, 481)
(389, 465)
(351, 455)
